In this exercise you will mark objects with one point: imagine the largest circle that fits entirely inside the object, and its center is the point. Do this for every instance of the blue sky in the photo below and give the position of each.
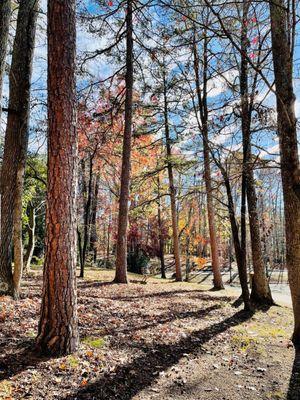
(100, 69)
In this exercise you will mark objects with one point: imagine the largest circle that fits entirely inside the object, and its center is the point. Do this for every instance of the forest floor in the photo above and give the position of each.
(160, 340)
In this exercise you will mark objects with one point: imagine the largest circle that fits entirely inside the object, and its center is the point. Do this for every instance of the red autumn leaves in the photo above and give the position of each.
(254, 41)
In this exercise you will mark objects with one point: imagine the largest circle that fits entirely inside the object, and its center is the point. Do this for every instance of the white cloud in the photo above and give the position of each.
(270, 151)
(219, 84)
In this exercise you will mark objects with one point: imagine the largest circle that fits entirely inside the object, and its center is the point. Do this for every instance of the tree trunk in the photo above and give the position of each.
(202, 104)
(16, 143)
(5, 14)
(286, 120)
(93, 234)
(17, 234)
(243, 228)
(217, 281)
(239, 253)
(187, 252)
(121, 257)
(31, 238)
(160, 234)
(260, 292)
(58, 326)
(87, 218)
(172, 190)
(107, 264)
(79, 241)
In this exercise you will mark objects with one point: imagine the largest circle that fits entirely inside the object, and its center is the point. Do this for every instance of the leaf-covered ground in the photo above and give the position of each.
(159, 340)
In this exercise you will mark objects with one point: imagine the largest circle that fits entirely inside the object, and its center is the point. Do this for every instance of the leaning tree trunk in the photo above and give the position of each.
(260, 292)
(58, 325)
(286, 120)
(239, 251)
(202, 104)
(121, 256)
(172, 190)
(5, 14)
(15, 146)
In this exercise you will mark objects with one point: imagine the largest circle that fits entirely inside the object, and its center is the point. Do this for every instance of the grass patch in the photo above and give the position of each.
(72, 361)
(277, 395)
(244, 343)
(95, 343)
(254, 336)
(268, 331)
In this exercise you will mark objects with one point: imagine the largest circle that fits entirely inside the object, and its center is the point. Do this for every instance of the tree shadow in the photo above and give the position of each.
(130, 379)
(238, 302)
(26, 357)
(132, 298)
(254, 305)
(18, 361)
(82, 284)
(294, 385)
(197, 294)
(162, 319)
(208, 275)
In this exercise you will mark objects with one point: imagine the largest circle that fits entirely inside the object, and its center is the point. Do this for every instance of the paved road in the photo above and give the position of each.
(280, 292)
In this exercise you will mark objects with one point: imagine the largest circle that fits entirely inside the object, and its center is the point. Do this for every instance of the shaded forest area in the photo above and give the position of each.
(149, 199)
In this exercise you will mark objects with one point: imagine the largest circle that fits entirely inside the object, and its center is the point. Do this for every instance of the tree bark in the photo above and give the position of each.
(16, 143)
(5, 14)
(172, 190)
(260, 293)
(121, 257)
(58, 325)
(202, 104)
(17, 233)
(286, 121)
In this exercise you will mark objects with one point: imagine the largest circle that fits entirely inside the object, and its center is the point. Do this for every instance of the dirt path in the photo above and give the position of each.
(153, 341)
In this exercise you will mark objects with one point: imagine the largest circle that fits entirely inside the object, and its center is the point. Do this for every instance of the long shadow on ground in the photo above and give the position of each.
(18, 361)
(127, 381)
(163, 319)
(172, 293)
(25, 357)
